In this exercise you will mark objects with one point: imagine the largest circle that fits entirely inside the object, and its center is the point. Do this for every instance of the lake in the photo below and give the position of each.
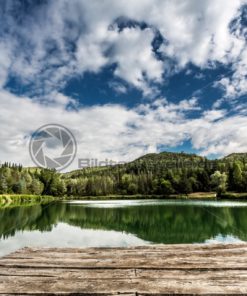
(122, 223)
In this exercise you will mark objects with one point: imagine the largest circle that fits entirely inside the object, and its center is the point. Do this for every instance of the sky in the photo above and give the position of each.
(127, 78)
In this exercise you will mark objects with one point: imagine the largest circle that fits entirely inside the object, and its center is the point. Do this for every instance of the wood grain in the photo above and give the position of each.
(149, 270)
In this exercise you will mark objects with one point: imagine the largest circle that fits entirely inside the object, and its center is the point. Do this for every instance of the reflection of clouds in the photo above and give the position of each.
(67, 236)
(114, 203)
(124, 203)
(226, 239)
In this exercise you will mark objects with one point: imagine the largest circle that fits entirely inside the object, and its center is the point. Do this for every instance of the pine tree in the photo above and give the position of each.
(237, 176)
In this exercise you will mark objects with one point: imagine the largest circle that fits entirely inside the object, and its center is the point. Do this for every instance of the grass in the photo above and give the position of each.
(234, 195)
(201, 195)
(116, 197)
(198, 195)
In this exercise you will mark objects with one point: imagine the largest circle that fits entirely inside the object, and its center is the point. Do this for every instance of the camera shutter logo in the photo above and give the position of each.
(52, 146)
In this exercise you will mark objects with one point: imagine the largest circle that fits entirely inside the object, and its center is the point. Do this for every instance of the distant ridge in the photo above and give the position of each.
(171, 157)
(154, 174)
(236, 156)
(165, 155)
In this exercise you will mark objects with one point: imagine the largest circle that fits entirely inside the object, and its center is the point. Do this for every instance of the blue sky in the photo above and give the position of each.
(127, 79)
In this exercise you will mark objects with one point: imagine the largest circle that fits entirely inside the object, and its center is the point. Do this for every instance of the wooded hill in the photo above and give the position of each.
(153, 174)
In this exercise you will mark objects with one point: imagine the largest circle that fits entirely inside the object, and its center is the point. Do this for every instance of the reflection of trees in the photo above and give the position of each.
(159, 224)
(37, 217)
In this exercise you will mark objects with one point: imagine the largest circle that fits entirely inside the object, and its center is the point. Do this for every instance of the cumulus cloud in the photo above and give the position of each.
(236, 86)
(222, 137)
(135, 68)
(52, 42)
(5, 61)
(109, 131)
(86, 36)
(117, 133)
(118, 87)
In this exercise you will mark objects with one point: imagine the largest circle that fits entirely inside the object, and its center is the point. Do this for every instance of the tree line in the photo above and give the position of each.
(14, 179)
(154, 175)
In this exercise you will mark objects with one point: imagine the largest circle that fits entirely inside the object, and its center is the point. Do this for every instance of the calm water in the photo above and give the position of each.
(122, 223)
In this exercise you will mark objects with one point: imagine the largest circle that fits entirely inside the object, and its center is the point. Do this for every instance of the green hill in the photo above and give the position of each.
(161, 160)
(167, 156)
(163, 173)
(236, 156)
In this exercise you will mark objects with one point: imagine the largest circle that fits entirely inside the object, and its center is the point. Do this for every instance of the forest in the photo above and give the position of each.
(163, 174)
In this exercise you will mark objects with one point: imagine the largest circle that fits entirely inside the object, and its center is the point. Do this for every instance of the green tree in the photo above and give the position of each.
(185, 185)
(61, 187)
(166, 187)
(125, 182)
(51, 181)
(204, 180)
(237, 176)
(36, 187)
(219, 182)
(20, 187)
(57, 186)
(3, 185)
(132, 188)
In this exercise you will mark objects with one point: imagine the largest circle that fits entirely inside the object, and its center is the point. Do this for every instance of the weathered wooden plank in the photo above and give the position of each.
(150, 248)
(183, 252)
(66, 273)
(231, 275)
(129, 253)
(200, 248)
(126, 263)
(154, 270)
(188, 251)
(150, 286)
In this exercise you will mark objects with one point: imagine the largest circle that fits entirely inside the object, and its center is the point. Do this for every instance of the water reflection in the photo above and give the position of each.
(131, 223)
(64, 235)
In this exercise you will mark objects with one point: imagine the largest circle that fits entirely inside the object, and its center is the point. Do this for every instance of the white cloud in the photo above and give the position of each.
(118, 133)
(118, 87)
(222, 137)
(198, 32)
(5, 62)
(135, 68)
(213, 115)
(101, 131)
(84, 38)
(236, 85)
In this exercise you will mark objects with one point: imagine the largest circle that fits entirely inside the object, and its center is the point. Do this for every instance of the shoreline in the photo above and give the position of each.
(10, 200)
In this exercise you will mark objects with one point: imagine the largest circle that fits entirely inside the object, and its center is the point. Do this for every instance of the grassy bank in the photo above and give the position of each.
(234, 195)
(7, 200)
(198, 195)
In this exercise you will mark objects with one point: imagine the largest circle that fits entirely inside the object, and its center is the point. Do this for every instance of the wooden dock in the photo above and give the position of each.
(154, 270)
